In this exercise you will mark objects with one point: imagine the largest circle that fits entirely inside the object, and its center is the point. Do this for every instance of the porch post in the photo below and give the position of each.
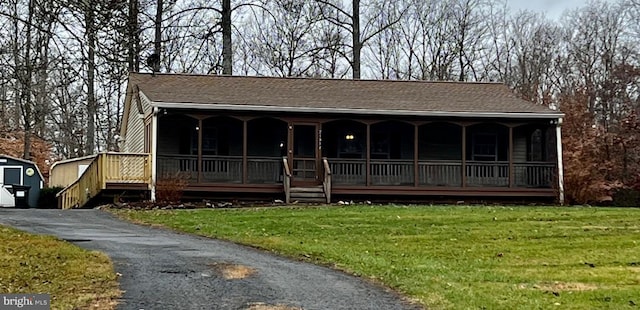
(368, 161)
(199, 128)
(464, 155)
(511, 172)
(154, 153)
(416, 180)
(244, 151)
(560, 165)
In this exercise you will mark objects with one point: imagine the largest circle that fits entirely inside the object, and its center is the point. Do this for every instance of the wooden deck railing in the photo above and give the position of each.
(266, 170)
(481, 173)
(392, 172)
(105, 168)
(439, 173)
(534, 174)
(382, 172)
(348, 171)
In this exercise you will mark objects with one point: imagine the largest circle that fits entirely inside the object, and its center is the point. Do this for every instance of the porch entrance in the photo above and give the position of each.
(303, 154)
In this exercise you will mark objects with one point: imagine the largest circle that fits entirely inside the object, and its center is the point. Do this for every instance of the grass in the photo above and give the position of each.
(75, 278)
(450, 257)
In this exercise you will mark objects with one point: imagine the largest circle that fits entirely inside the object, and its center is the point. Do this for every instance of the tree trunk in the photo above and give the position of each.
(357, 45)
(26, 86)
(91, 68)
(157, 42)
(133, 42)
(227, 52)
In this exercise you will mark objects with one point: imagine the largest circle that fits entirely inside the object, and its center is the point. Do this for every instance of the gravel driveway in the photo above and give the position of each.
(167, 270)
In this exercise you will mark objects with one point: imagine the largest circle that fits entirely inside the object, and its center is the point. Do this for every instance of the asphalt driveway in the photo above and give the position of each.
(167, 270)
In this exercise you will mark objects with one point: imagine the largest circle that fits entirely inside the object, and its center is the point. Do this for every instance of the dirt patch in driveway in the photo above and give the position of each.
(262, 306)
(233, 271)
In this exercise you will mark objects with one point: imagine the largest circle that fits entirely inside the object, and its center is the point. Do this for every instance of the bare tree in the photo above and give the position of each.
(334, 13)
(284, 39)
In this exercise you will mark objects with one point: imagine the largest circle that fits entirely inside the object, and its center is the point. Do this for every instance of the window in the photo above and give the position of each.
(209, 141)
(380, 145)
(536, 146)
(350, 144)
(485, 147)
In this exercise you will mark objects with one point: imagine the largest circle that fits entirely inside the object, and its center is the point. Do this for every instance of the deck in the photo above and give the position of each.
(108, 171)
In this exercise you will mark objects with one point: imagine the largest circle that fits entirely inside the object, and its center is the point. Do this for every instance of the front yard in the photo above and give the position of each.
(73, 277)
(449, 257)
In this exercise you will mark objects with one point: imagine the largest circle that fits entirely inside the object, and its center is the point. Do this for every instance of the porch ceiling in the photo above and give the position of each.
(380, 97)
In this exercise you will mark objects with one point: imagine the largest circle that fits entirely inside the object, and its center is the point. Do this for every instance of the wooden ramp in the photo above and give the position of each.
(119, 171)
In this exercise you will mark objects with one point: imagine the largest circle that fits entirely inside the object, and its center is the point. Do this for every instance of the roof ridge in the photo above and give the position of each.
(186, 74)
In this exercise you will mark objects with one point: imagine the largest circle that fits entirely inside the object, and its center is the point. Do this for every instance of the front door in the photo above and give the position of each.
(304, 153)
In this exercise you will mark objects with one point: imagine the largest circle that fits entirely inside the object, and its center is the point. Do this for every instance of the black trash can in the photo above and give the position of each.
(21, 195)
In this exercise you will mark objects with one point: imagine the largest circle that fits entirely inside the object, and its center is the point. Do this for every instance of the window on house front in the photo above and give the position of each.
(485, 147)
(536, 149)
(380, 145)
(350, 144)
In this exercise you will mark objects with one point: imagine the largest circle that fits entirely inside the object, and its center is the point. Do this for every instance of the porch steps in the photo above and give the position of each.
(313, 194)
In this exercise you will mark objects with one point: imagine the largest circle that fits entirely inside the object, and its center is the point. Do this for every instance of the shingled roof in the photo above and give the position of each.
(335, 96)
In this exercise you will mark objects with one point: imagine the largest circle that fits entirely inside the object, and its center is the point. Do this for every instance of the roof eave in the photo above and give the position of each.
(262, 108)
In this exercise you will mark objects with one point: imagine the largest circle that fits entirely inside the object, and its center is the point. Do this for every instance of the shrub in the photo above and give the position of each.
(169, 189)
(47, 199)
(627, 197)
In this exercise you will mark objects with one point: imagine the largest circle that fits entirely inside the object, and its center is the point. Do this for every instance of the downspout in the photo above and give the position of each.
(560, 167)
(154, 148)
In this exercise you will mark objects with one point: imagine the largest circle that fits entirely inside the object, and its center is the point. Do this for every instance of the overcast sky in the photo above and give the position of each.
(552, 8)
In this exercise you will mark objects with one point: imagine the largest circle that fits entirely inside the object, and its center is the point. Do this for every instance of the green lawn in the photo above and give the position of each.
(450, 257)
(75, 278)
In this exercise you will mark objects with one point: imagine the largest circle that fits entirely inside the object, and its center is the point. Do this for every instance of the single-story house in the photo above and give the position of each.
(306, 137)
(20, 182)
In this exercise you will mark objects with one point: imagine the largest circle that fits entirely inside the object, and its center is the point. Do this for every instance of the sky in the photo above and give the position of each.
(552, 8)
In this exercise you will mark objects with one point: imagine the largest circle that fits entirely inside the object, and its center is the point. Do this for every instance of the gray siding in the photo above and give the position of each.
(519, 147)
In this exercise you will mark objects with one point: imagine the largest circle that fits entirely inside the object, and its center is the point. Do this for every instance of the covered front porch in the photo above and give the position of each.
(456, 157)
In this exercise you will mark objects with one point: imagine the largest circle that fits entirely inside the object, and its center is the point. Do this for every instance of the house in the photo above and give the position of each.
(321, 138)
(20, 182)
(324, 139)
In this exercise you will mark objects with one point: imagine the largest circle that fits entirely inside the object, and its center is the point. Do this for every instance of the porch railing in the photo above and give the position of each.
(226, 169)
(348, 171)
(170, 166)
(481, 173)
(534, 174)
(264, 170)
(439, 173)
(387, 172)
(221, 169)
(392, 172)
